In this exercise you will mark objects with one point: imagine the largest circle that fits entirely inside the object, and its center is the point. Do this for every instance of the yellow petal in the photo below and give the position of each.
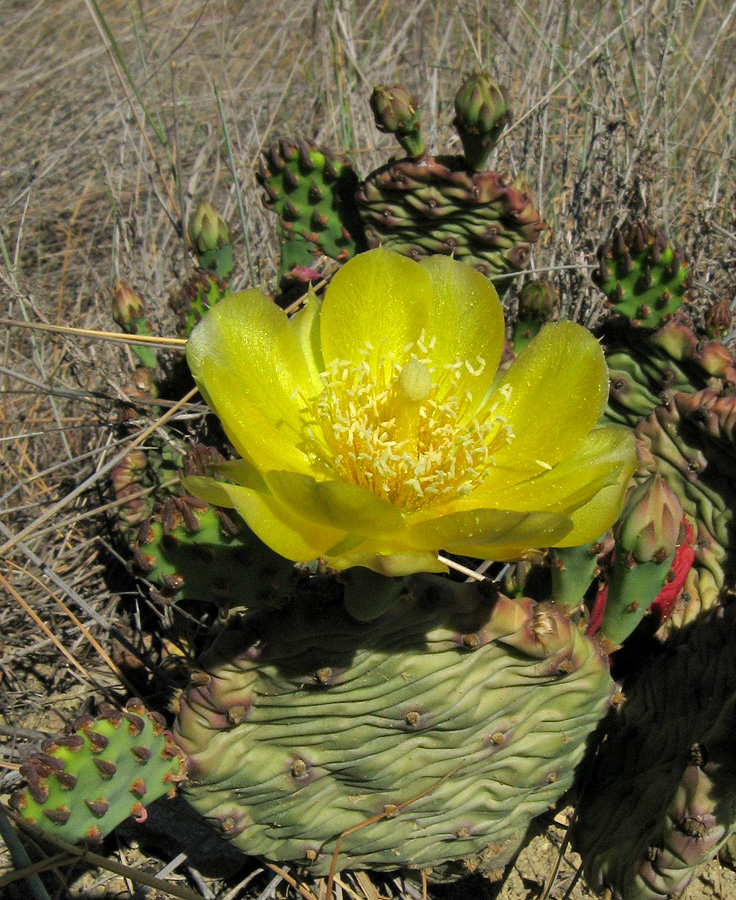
(489, 530)
(249, 364)
(279, 527)
(557, 389)
(306, 325)
(338, 504)
(618, 447)
(380, 299)
(466, 323)
(604, 457)
(394, 565)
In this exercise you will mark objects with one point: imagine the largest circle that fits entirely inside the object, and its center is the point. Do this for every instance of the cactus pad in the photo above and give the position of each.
(661, 797)
(435, 205)
(642, 276)
(82, 785)
(454, 718)
(312, 193)
(192, 550)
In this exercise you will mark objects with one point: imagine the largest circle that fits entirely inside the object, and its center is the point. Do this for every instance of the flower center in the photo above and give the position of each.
(404, 431)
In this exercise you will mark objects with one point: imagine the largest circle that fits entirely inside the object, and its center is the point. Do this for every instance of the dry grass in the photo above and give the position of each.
(619, 107)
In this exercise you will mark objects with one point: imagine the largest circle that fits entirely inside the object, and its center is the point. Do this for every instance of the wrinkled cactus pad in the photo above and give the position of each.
(80, 786)
(661, 797)
(449, 721)
(435, 205)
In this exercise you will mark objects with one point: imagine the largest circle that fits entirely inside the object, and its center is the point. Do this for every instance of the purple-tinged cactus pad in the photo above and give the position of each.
(460, 713)
(80, 786)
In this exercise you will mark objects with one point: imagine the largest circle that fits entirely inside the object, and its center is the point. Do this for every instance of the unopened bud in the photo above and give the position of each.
(127, 306)
(650, 523)
(481, 114)
(207, 230)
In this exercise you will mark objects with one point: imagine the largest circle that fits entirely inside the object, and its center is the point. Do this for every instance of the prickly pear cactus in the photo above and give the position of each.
(435, 205)
(312, 193)
(189, 549)
(641, 275)
(652, 350)
(452, 204)
(690, 442)
(80, 786)
(660, 798)
(443, 725)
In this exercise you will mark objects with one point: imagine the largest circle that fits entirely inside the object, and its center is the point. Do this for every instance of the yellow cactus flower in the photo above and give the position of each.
(375, 428)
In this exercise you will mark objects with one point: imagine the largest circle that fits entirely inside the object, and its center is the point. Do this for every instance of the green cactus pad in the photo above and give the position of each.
(80, 786)
(435, 205)
(647, 368)
(691, 442)
(454, 718)
(642, 276)
(661, 797)
(312, 193)
(192, 550)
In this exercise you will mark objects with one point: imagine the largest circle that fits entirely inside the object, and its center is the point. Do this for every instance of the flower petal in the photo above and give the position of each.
(615, 447)
(306, 325)
(466, 323)
(489, 533)
(338, 504)
(394, 565)
(379, 298)
(250, 366)
(279, 527)
(558, 389)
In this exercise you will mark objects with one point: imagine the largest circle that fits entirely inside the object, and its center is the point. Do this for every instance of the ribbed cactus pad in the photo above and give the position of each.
(661, 797)
(436, 205)
(642, 276)
(647, 368)
(451, 720)
(312, 193)
(192, 550)
(82, 785)
(692, 443)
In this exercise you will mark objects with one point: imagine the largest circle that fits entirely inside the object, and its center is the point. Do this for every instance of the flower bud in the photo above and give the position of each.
(481, 114)
(127, 306)
(396, 111)
(649, 526)
(207, 229)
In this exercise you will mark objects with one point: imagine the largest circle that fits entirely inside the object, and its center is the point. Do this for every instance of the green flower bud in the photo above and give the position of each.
(207, 230)
(538, 300)
(481, 114)
(650, 523)
(396, 111)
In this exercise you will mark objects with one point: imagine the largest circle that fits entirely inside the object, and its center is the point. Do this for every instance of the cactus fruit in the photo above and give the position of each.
(641, 275)
(82, 785)
(455, 717)
(647, 535)
(312, 193)
(661, 796)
